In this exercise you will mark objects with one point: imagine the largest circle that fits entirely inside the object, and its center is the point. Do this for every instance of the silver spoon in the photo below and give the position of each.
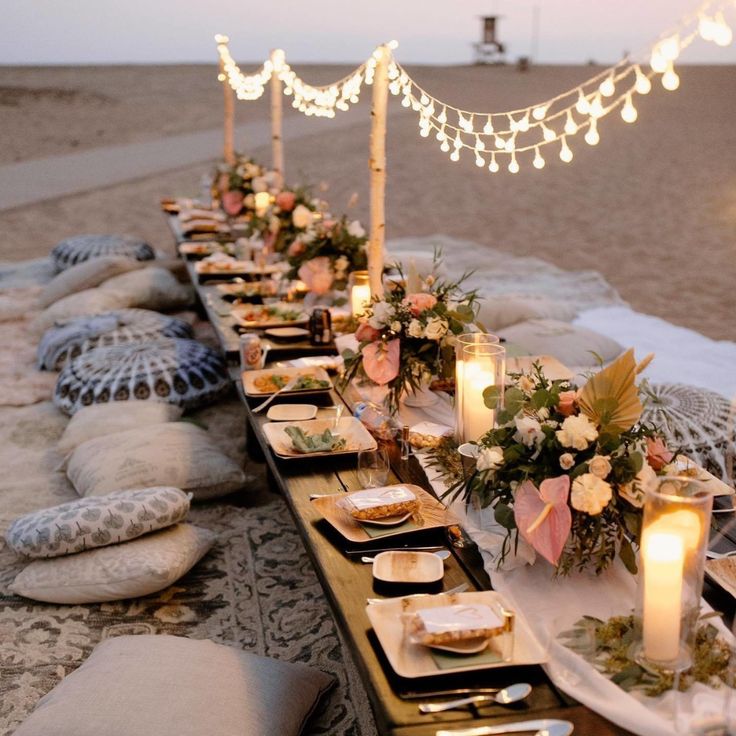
(713, 555)
(510, 694)
(443, 554)
(542, 727)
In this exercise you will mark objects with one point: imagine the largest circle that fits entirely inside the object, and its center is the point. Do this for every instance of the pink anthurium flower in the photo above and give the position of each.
(381, 361)
(543, 516)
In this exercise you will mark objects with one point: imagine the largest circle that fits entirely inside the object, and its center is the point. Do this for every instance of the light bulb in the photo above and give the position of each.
(628, 111)
(670, 48)
(538, 162)
(565, 152)
(479, 161)
(523, 124)
(423, 131)
(493, 167)
(394, 88)
(406, 102)
(670, 80)
(458, 142)
(445, 146)
(478, 144)
(538, 113)
(707, 28)
(643, 84)
(596, 107)
(455, 155)
(424, 99)
(510, 144)
(441, 135)
(442, 117)
(722, 34)
(548, 134)
(570, 126)
(592, 137)
(488, 127)
(657, 61)
(582, 105)
(513, 125)
(607, 87)
(221, 77)
(499, 142)
(514, 165)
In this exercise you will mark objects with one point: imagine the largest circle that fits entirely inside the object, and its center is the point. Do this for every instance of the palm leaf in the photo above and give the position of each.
(610, 399)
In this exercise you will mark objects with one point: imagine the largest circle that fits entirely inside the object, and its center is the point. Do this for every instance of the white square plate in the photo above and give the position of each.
(251, 388)
(292, 412)
(356, 437)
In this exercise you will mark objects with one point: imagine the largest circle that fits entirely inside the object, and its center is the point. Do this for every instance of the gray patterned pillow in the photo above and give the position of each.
(81, 248)
(96, 521)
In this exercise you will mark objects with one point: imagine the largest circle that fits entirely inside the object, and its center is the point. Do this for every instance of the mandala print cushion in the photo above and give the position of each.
(120, 327)
(181, 372)
(129, 570)
(96, 522)
(80, 248)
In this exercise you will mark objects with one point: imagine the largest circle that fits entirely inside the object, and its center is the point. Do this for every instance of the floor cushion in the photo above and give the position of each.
(98, 420)
(79, 248)
(129, 570)
(152, 288)
(172, 454)
(119, 327)
(82, 304)
(85, 275)
(182, 372)
(497, 312)
(574, 346)
(172, 686)
(96, 522)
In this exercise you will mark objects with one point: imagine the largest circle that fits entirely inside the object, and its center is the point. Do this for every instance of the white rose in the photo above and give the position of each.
(577, 431)
(567, 460)
(635, 491)
(415, 328)
(600, 466)
(490, 458)
(259, 184)
(436, 328)
(356, 229)
(383, 313)
(526, 384)
(302, 216)
(590, 494)
(396, 326)
(307, 236)
(528, 431)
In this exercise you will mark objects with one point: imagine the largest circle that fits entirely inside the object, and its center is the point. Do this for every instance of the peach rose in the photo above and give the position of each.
(657, 453)
(296, 249)
(566, 404)
(232, 203)
(317, 275)
(286, 201)
(420, 302)
(366, 333)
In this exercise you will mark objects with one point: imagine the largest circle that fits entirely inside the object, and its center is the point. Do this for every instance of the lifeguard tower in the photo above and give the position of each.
(490, 50)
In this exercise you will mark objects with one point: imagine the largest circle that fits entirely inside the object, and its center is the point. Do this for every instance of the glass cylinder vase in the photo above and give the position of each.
(360, 293)
(483, 365)
(467, 338)
(674, 539)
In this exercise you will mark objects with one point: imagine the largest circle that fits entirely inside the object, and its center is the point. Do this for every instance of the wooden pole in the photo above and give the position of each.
(377, 166)
(277, 135)
(228, 147)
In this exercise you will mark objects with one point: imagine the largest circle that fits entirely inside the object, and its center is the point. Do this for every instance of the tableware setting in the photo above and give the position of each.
(314, 438)
(505, 696)
(280, 314)
(266, 381)
(419, 568)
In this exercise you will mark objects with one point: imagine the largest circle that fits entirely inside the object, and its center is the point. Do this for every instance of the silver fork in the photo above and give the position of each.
(458, 589)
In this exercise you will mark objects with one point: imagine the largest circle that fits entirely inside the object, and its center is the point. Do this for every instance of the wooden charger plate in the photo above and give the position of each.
(432, 513)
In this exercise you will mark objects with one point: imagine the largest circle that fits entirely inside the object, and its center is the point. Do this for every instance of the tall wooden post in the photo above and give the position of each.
(277, 135)
(228, 146)
(377, 165)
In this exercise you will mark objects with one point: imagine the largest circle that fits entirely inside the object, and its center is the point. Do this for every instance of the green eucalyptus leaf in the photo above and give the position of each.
(514, 400)
(492, 396)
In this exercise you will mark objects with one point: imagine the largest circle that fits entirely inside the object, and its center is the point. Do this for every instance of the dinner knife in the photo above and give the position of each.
(550, 726)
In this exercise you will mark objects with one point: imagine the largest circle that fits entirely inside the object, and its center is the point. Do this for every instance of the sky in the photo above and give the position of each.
(429, 31)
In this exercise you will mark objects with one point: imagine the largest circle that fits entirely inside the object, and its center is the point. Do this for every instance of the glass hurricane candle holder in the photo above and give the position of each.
(467, 338)
(483, 365)
(674, 539)
(360, 293)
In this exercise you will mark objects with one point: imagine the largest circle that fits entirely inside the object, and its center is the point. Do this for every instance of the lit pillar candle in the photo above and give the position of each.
(360, 293)
(483, 366)
(664, 555)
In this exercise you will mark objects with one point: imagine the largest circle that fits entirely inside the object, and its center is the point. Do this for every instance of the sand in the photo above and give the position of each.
(652, 207)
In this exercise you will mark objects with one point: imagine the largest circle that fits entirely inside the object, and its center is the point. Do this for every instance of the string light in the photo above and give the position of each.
(565, 152)
(513, 164)
(538, 162)
(643, 84)
(592, 136)
(628, 111)
(493, 167)
(608, 87)
(670, 80)
(570, 125)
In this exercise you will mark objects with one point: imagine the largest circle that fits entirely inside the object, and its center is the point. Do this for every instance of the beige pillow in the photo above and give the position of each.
(85, 275)
(152, 288)
(174, 454)
(128, 570)
(87, 302)
(573, 346)
(171, 686)
(497, 312)
(98, 420)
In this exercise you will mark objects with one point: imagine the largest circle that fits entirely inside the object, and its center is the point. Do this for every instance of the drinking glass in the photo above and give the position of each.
(373, 467)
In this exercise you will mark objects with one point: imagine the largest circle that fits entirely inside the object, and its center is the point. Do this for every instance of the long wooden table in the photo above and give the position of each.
(347, 584)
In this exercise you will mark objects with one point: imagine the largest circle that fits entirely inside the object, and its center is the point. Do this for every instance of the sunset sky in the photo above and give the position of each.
(176, 31)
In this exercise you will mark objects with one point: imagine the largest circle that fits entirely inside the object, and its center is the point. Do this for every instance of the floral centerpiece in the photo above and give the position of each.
(236, 185)
(566, 468)
(407, 338)
(324, 255)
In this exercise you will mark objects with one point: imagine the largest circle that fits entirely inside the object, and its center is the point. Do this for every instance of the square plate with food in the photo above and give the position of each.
(281, 314)
(318, 438)
(267, 381)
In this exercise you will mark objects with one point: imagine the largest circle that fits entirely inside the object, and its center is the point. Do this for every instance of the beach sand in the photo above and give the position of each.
(652, 207)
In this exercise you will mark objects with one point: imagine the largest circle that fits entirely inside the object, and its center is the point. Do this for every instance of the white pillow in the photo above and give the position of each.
(88, 523)
(174, 454)
(171, 686)
(573, 346)
(85, 275)
(87, 302)
(101, 419)
(129, 570)
(152, 288)
(497, 312)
